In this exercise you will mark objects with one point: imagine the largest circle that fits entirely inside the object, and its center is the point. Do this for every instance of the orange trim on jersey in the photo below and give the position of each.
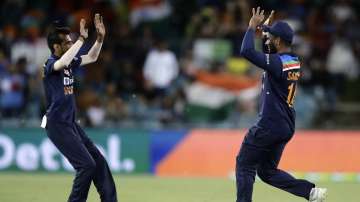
(291, 65)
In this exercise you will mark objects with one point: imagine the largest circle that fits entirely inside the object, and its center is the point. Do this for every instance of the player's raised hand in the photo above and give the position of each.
(257, 18)
(83, 30)
(100, 27)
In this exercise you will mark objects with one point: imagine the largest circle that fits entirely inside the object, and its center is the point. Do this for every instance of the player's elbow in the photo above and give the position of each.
(243, 52)
(245, 49)
(87, 59)
(246, 53)
(94, 59)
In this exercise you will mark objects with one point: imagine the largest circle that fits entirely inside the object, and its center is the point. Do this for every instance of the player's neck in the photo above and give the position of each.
(57, 54)
(284, 50)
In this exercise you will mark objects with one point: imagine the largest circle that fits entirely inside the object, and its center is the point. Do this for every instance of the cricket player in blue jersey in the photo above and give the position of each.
(59, 121)
(265, 141)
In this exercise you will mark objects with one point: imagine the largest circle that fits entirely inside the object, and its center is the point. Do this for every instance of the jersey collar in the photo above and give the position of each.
(55, 57)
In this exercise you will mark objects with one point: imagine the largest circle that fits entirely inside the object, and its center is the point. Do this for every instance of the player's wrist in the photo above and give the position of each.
(99, 38)
(252, 27)
(81, 38)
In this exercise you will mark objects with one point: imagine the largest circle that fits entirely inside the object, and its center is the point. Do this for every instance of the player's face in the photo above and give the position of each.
(273, 43)
(66, 43)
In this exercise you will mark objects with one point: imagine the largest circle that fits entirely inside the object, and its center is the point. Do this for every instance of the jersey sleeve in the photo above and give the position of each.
(49, 67)
(268, 62)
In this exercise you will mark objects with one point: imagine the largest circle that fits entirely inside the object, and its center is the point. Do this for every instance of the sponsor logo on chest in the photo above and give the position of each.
(68, 82)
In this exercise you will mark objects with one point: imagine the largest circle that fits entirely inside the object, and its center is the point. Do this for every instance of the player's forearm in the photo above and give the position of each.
(93, 53)
(68, 56)
(248, 45)
(248, 49)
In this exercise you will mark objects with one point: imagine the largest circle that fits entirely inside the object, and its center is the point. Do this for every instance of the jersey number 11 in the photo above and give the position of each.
(291, 94)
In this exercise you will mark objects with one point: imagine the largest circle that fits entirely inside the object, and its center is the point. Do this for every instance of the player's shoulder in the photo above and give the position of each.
(50, 60)
(289, 61)
(48, 65)
(290, 67)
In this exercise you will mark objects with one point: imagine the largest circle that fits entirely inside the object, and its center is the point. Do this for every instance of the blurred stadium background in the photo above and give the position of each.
(171, 97)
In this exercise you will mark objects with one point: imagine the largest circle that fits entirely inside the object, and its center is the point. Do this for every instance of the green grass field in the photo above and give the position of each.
(19, 187)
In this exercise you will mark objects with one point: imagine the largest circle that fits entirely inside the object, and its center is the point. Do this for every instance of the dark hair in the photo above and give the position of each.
(53, 36)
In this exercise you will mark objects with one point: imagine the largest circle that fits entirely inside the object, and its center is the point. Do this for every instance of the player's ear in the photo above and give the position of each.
(56, 47)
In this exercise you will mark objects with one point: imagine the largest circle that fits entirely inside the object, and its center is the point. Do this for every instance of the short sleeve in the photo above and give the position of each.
(49, 67)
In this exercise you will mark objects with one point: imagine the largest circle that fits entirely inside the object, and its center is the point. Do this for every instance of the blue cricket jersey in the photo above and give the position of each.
(280, 77)
(59, 90)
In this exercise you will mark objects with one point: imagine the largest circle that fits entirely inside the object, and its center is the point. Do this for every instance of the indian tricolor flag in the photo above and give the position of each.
(290, 62)
(148, 10)
(212, 96)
